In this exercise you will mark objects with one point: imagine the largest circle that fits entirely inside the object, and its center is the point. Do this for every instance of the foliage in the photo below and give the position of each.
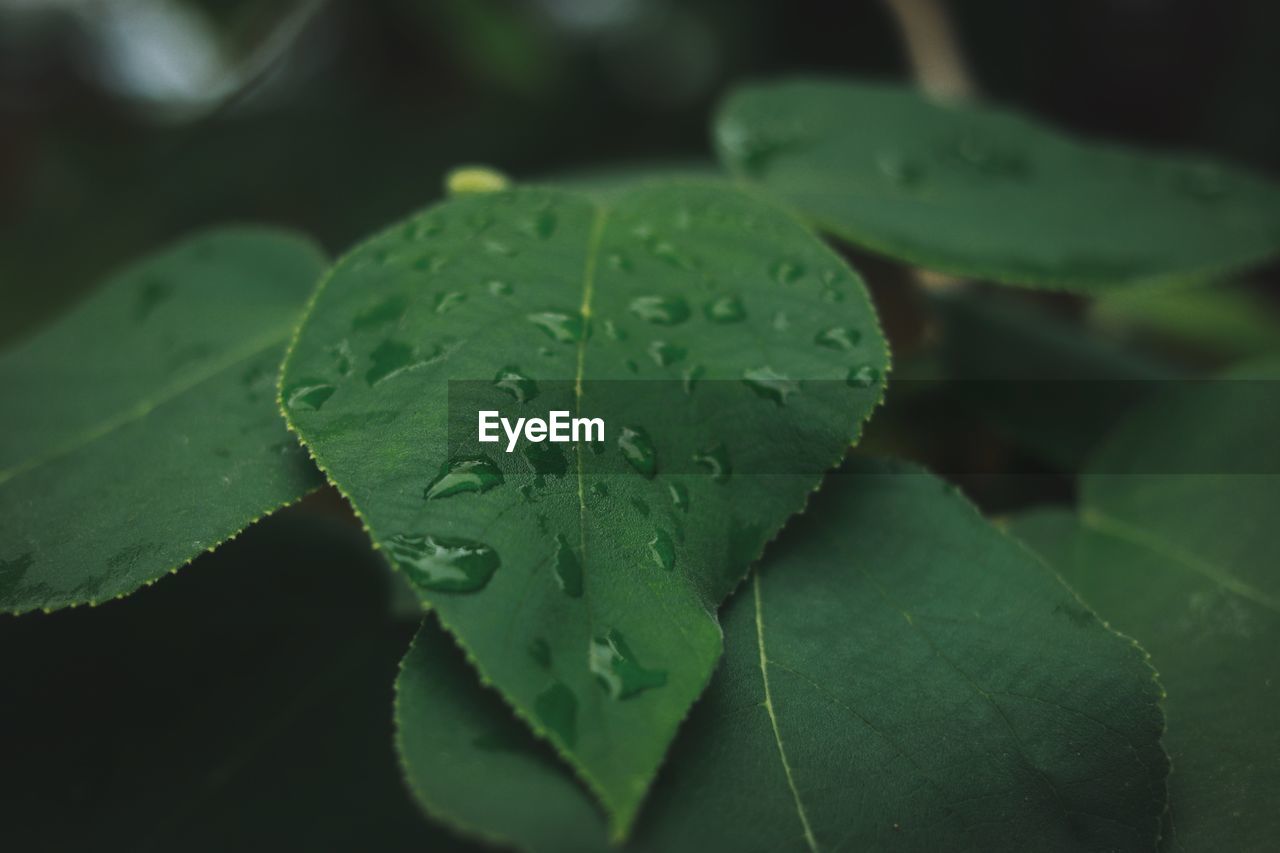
(712, 630)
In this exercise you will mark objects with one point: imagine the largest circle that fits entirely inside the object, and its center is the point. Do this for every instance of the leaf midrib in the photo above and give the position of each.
(139, 410)
(773, 719)
(1108, 525)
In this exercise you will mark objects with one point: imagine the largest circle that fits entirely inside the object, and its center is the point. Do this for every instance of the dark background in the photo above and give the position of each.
(124, 123)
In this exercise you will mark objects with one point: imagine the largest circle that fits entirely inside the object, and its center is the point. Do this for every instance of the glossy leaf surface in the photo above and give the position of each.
(898, 675)
(986, 193)
(689, 317)
(140, 430)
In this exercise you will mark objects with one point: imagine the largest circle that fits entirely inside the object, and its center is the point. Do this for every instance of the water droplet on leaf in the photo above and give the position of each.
(715, 460)
(446, 302)
(557, 710)
(662, 310)
(308, 393)
(726, 309)
(786, 271)
(770, 384)
(443, 564)
(617, 669)
(466, 474)
(665, 354)
(521, 388)
(662, 550)
(838, 337)
(637, 448)
(862, 376)
(565, 328)
(568, 568)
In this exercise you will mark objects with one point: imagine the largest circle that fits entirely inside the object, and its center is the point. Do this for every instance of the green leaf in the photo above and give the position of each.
(240, 705)
(1175, 544)
(140, 429)
(986, 193)
(687, 317)
(898, 674)
(1231, 322)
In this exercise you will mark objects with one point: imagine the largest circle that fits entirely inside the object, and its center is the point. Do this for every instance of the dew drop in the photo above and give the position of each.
(429, 263)
(540, 651)
(862, 376)
(689, 377)
(543, 224)
(568, 568)
(679, 496)
(465, 474)
(309, 393)
(342, 358)
(899, 170)
(565, 328)
(662, 550)
(613, 332)
(389, 358)
(420, 228)
(662, 310)
(637, 448)
(670, 255)
(665, 354)
(786, 271)
(498, 288)
(715, 460)
(545, 459)
(618, 671)
(599, 490)
(521, 388)
(781, 322)
(839, 338)
(726, 309)
(387, 311)
(618, 261)
(443, 564)
(557, 710)
(446, 302)
(770, 384)
(495, 247)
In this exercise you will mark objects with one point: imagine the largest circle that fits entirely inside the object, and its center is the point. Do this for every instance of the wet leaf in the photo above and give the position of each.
(1175, 543)
(604, 563)
(140, 429)
(986, 193)
(898, 675)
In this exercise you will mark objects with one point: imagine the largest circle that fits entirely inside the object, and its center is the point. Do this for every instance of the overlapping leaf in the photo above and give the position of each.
(985, 193)
(713, 333)
(1175, 544)
(140, 430)
(898, 675)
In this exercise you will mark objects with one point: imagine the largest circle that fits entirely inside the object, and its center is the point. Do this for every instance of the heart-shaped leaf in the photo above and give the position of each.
(898, 675)
(985, 193)
(140, 430)
(1175, 543)
(711, 332)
